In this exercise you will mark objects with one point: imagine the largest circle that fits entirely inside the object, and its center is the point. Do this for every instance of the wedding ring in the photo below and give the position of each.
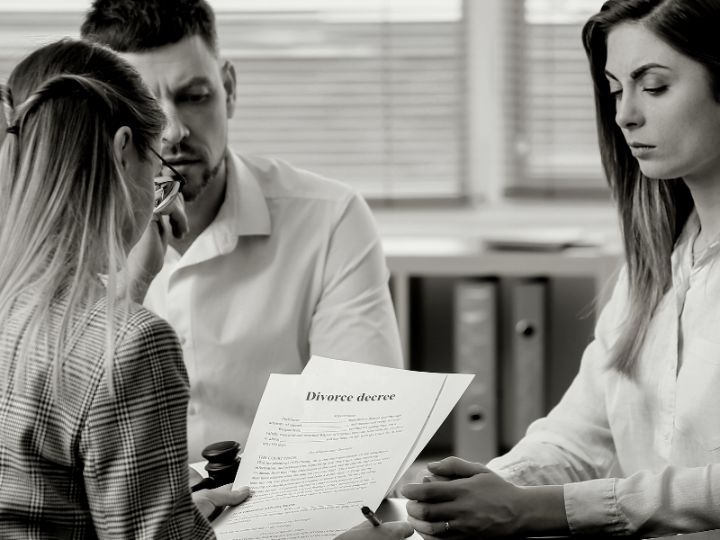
(447, 526)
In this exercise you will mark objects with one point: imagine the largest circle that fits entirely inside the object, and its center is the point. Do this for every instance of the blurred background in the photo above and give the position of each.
(469, 127)
(421, 100)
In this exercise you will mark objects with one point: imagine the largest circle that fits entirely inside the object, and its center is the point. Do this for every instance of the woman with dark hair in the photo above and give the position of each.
(634, 445)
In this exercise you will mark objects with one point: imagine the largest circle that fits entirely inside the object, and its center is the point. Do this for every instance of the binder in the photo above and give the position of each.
(523, 365)
(475, 419)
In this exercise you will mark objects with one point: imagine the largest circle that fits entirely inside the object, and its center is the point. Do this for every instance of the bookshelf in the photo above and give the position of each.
(425, 273)
(411, 257)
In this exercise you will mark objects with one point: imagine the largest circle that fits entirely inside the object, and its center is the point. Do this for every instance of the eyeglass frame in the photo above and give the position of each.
(178, 180)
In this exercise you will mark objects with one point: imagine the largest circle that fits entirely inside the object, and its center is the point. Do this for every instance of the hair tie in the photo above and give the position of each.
(7, 108)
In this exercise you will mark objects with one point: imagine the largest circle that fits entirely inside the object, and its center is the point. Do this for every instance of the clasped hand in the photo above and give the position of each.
(460, 499)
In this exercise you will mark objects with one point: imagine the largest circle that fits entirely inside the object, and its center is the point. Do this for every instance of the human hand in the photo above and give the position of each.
(194, 477)
(209, 501)
(472, 501)
(147, 256)
(452, 468)
(176, 217)
(386, 531)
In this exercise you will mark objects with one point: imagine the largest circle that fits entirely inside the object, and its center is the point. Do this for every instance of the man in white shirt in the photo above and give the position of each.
(278, 263)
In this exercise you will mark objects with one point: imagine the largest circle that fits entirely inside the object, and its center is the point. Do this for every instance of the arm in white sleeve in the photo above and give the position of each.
(574, 441)
(574, 446)
(674, 500)
(354, 318)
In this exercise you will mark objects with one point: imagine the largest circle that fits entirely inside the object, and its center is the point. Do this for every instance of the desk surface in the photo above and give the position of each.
(394, 510)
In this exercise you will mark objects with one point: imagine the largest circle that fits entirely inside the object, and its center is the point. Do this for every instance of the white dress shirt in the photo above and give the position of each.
(291, 266)
(640, 455)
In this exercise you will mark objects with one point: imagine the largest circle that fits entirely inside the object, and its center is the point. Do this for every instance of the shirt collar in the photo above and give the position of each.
(245, 211)
(684, 242)
(682, 254)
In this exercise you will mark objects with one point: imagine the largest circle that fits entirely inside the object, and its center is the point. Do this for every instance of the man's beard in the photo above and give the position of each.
(191, 193)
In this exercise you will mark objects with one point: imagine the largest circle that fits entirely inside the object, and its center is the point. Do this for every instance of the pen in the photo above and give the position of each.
(371, 517)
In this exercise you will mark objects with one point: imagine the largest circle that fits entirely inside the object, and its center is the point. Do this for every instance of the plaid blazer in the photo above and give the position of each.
(88, 465)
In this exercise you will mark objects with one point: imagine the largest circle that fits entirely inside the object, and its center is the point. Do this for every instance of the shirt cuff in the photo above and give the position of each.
(591, 508)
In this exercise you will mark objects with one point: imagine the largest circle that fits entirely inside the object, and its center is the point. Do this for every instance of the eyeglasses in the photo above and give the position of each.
(167, 191)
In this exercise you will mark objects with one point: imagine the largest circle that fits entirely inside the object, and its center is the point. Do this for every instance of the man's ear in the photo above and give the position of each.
(230, 85)
(122, 146)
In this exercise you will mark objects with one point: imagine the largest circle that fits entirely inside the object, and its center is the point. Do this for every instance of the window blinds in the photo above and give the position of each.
(555, 148)
(368, 92)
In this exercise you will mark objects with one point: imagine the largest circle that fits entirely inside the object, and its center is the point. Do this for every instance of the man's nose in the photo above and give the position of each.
(175, 129)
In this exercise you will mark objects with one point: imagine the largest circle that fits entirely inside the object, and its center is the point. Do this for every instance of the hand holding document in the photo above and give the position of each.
(331, 440)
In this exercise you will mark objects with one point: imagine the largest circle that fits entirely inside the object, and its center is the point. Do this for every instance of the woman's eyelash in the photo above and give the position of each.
(655, 89)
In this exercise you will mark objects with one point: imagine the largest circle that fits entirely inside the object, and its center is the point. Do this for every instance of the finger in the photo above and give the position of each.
(194, 477)
(401, 528)
(226, 496)
(178, 217)
(163, 226)
(433, 530)
(432, 513)
(362, 525)
(397, 529)
(426, 536)
(423, 527)
(431, 491)
(434, 478)
(455, 467)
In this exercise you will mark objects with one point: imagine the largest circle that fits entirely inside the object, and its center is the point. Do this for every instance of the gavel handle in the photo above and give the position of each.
(216, 513)
(205, 483)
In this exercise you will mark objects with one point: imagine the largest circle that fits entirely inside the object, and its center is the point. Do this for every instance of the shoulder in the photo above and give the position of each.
(147, 358)
(143, 324)
(130, 320)
(280, 179)
(137, 331)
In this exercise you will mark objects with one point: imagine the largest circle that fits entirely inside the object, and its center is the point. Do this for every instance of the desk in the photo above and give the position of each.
(394, 510)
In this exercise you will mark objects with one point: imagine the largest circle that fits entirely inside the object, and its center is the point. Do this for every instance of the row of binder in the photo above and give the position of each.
(500, 335)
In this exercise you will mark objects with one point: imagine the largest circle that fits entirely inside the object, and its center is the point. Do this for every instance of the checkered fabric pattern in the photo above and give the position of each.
(92, 465)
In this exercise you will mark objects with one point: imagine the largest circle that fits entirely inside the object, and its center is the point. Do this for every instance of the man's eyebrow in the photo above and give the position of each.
(195, 81)
(639, 72)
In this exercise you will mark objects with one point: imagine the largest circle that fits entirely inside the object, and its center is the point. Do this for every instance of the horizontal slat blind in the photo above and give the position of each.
(359, 91)
(555, 143)
(368, 92)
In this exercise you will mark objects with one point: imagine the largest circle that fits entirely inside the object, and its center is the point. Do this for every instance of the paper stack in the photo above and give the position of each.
(331, 440)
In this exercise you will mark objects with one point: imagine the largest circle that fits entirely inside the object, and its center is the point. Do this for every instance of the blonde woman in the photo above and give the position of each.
(93, 389)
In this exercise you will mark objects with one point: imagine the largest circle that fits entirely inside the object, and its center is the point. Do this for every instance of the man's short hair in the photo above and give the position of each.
(141, 25)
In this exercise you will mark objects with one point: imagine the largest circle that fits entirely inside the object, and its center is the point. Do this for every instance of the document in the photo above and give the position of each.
(329, 441)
